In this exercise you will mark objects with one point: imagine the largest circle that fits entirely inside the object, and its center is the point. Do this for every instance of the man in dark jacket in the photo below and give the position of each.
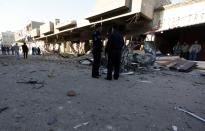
(113, 50)
(25, 51)
(97, 49)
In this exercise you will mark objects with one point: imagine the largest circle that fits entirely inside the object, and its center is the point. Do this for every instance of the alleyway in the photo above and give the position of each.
(33, 97)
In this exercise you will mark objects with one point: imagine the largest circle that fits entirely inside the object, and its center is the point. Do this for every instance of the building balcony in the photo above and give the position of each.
(66, 25)
(35, 33)
(107, 8)
(47, 28)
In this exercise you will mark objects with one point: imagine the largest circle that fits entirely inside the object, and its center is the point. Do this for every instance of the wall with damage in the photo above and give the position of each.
(175, 16)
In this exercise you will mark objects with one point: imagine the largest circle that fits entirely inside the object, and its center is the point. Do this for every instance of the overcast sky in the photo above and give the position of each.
(15, 14)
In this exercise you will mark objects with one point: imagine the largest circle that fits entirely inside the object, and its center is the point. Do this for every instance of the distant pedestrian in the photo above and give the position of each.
(113, 50)
(8, 50)
(185, 50)
(16, 48)
(177, 49)
(33, 50)
(2, 52)
(12, 50)
(97, 49)
(25, 51)
(194, 50)
(39, 51)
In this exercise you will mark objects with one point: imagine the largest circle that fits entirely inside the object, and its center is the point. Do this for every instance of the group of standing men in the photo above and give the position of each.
(17, 49)
(112, 51)
(186, 51)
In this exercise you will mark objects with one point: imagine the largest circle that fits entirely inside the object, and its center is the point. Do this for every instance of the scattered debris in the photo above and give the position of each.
(144, 59)
(66, 55)
(43, 70)
(182, 65)
(51, 75)
(5, 64)
(109, 127)
(38, 87)
(3, 73)
(52, 121)
(71, 93)
(32, 72)
(174, 128)
(127, 73)
(80, 125)
(189, 113)
(60, 107)
(176, 63)
(87, 61)
(18, 116)
(3, 109)
(30, 82)
(144, 81)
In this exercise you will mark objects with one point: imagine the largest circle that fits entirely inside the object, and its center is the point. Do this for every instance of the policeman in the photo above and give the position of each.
(113, 50)
(97, 49)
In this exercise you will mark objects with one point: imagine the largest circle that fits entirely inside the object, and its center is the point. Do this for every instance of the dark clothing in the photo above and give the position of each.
(25, 55)
(185, 55)
(97, 49)
(96, 64)
(24, 48)
(115, 42)
(39, 51)
(113, 49)
(25, 51)
(97, 42)
(114, 59)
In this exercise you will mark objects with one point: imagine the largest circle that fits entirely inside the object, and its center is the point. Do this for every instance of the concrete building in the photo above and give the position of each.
(7, 38)
(26, 33)
(135, 15)
(180, 22)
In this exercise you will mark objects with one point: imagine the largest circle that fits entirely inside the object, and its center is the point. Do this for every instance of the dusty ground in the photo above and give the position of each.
(141, 102)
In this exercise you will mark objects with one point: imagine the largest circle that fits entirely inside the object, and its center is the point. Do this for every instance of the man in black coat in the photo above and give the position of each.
(113, 50)
(97, 49)
(25, 51)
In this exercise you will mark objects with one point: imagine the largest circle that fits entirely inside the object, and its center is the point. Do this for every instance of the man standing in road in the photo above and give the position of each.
(97, 49)
(113, 50)
(25, 51)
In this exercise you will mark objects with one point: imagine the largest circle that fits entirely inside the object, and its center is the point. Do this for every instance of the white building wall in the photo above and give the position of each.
(7, 38)
(181, 16)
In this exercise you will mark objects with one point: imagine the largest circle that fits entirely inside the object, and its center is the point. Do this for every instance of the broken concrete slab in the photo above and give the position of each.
(87, 61)
(182, 65)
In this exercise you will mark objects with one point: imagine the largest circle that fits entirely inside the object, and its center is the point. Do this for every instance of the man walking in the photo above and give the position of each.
(113, 50)
(97, 49)
(16, 49)
(25, 51)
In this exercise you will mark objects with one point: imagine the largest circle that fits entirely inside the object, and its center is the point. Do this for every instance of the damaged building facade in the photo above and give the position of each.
(163, 23)
(180, 22)
(135, 16)
(28, 34)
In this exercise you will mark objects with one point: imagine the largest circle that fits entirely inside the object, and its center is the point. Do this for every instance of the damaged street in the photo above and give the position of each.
(51, 93)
